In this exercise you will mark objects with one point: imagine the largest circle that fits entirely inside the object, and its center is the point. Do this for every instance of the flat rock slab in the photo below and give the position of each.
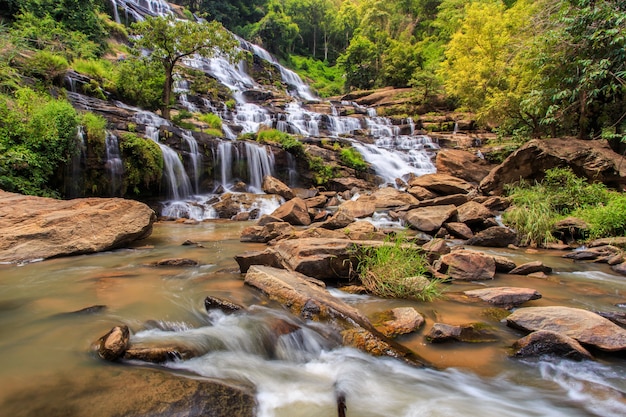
(403, 320)
(584, 326)
(505, 297)
(40, 228)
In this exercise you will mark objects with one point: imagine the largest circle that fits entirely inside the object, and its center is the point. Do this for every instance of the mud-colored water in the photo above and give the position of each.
(48, 368)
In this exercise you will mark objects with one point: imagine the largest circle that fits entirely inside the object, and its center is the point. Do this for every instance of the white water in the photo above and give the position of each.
(114, 164)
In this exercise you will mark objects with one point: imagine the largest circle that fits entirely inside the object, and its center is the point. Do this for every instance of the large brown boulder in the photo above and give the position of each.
(430, 219)
(442, 184)
(39, 228)
(232, 204)
(357, 209)
(473, 214)
(592, 159)
(467, 265)
(294, 212)
(586, 327)
(388, 197)
(273, 185)
(495, 237)
(462, 164)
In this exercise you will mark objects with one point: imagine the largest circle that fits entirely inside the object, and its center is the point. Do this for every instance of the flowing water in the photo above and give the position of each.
(48, 367)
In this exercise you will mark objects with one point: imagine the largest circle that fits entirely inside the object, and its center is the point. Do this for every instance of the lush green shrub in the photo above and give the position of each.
(95, 131)
(99, 69)
(322, 173)
(212, 120)
(140, 82)
(47, 66)
(397, 269)
(352, 159)
(536, 208)
(38, 136)
(285, 140)
(325, 80)
(143, 163)
(606, 219)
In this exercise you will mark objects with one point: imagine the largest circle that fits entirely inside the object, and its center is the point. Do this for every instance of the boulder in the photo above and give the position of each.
(263, 234)
(473, 214)
(592, 159)
(267, 257)
(421, 193)
(134, 391)
(586, 327)
(273, 185)
(401, 320)
(40, 228)
(462, 164)
(495, 237)
(494, 203)
(357, 209)
(339, 220)
(619, 268)
(459, 230)
(505, 297)
(467, 265)
(320, 233)
(530, 268)
(503, 264)
(430, 219)
(318, 201)
(545, 342)
(113, 345)
(471, 333)
(348, 183)
(442, 184)
(455, 199)
(294, 212)
(388, 197)
(363, 230)
(570, 229)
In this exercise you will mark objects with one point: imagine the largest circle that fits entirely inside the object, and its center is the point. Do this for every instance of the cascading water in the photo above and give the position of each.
(195, 158)
(114, 164)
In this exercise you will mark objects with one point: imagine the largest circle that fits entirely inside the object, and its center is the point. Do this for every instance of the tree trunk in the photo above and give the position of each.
(167, 92)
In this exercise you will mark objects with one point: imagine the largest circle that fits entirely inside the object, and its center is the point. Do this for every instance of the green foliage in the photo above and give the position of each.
(94, 126)
(288, 142)
(360, 63)
(275, 31)
(99, 69)
(605, 219)
(536, 208)
(47, 66)
(143, 163)
(140, 82)
(326, 80)
(397, 269)
(37, 139)
(353, 159)
(212, 120)
(170, 40)
(45, 33)
(322, 173)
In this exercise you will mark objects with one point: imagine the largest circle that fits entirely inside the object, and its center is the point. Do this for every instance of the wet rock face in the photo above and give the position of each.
(584, 326)
(40, 228)
(545, 342)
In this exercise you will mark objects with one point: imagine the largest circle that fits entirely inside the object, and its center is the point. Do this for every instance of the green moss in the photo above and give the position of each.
(288, 142)
(95, 132)
(322, 172)
(351, 158)
(143, 163)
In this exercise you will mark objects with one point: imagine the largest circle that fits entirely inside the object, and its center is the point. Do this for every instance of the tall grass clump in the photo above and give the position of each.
(288, 142)
(397, 269)
(537, 207)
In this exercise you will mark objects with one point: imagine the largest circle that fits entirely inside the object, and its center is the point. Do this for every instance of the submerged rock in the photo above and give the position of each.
(178, 262)
(39, 228)
(469, 333)
(216, 303)
(402, 320)
(113, 345)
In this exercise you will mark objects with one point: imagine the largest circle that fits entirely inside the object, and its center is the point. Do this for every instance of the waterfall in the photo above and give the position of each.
(196, 158)
(260, 163)
(113, 163)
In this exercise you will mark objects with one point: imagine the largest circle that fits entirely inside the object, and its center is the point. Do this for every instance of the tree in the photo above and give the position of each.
(276, 31)
(360, 63)
(170, 41)
(584, 65)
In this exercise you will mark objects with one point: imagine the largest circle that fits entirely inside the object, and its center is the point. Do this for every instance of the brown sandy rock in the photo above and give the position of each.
(545, 342)
(273, 185)
(505, 297)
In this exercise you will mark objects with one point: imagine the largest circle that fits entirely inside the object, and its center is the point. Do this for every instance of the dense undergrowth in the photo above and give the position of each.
(538, 207)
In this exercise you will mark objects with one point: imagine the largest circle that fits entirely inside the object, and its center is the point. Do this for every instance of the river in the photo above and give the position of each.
(48, 366)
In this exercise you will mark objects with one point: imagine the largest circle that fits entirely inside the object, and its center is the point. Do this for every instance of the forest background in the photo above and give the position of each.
(526, 68)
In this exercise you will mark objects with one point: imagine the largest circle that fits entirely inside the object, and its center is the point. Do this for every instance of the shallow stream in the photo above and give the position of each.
(48, 367)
